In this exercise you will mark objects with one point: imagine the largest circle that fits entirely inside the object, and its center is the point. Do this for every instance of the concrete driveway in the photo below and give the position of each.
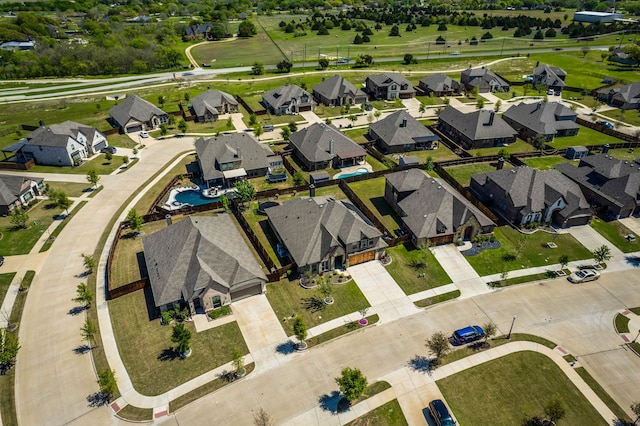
(460, 271)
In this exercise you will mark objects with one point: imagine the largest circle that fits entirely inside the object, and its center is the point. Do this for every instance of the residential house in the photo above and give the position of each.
(207, 106)
(440, 85)
(542, 119)
(338, 91)
(64, 144)
(287, 99)
(198, 31)
(225, 158)
(549, 77)
(608, 183)
(202, 261)
(524, 195)
(321, 145)
(477, 129)
(134, 114)
(18, 45)
(483, 79)
(389, 85)
(16, 191)
(619, 56)
(400, 132)
(321, 234)
(432, 211)
(623, 97)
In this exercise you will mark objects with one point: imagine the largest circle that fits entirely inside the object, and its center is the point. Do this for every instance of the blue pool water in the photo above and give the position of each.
(194, 198)
(356, 173)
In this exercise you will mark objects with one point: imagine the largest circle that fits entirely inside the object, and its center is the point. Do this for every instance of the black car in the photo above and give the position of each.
(110, 149)
(440, 413)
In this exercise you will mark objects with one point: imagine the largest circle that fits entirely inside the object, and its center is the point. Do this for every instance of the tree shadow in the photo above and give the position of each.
(82, 349)
(633, 260)
(228, 376)
(420, 363)
(313, 304)
(168, 355)
(286, 348)
(98, 399)
(330, 402)
(77, 310)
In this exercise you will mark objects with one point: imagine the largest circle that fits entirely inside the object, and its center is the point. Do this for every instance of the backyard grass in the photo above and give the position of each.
(5, 282)
(340, 331)
(52, 237)
(263, 184)
(441, 154)
(407, 276)
(626, 116)
(463, 173)
(602, 394)
(586, 137)
(521, 384)
(21, 241)
(534, 253)
(288, 297)
(374, 163)
(545, 163)
(518, 146)
(622, 323)
(371, 192)
(100, 164)
(616, 233)
(389, 414)
(260, 226)
(357, 135)
(146, 347)
(324, 111)
(70, 188)
(623, 154)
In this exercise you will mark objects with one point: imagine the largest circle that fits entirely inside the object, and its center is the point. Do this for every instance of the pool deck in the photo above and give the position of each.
(353, 169)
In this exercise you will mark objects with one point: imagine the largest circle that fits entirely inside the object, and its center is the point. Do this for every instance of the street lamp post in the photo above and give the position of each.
(511, 328)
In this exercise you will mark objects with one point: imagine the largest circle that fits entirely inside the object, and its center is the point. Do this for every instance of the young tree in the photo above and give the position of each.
(161, 100)
(564, 261)
(107, 383)
(352, 383)
(225, 202)
(554, 410)
(504, 153)
(298, 178)
(253, 119)
(89, 331)
(323, 63)
(585, 50)
(19, 218)
(62, 201)
(377, 115)
(293, 126)
(438, 344)
(422, 109)
(181, 336)
(182, 126)
(229, 123)
(125, 160)
(135, 221)
(88, 261)
(163, 130)
(408, 59)
(497, 106)
(326, 288)
(258, 131)
(284, 66)
(245, 190)
(429, 164)
(286, 132)
(238, 361)
(257, 68)
(602, 254)
(490, 330)
(480, 102)
(84, 295)
(93, 177)
(300, 330)
(9, 348)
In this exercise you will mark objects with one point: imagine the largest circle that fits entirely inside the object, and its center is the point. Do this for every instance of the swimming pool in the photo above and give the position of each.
(361, 171)
(194, 197)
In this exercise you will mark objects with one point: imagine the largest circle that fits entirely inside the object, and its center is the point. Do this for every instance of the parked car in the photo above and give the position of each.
(606, 124)
(455, 53)
(144, 134)
(268, 127)
(467, 335)
(550, 92)
(440, 413)
(557, 93)
(110, 149)
(584, 275)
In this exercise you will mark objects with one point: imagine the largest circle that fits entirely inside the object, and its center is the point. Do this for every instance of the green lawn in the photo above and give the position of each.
(546, 163)
(145, 346)
(287, 297)
(521, 384)
(21, 241)
(371, 192)
(616, 233)
(260, 226)
(406, 275)
(463, 173)
(389, 414)
(622, 323)
(324, 111)
(99, 164)
(357, 135)
(441, 154)
(423, 303)
(70, 188)
(374, 163)
(585, 136)
(514, 148)
(627, 116)
(5, 282)
(340, 331)
(52, 237)
(534, 253)
(624, 154)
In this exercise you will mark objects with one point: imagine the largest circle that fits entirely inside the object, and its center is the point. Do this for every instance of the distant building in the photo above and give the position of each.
(389, 85)
(576, 152)
(621, 57)
(287, 99)
(18, 45)
(597, 17)
(482, 79)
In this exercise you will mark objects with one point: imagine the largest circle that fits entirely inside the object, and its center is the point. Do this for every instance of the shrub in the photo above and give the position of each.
(215, 314)
(509, 257)
(225, 310)
(167, 316)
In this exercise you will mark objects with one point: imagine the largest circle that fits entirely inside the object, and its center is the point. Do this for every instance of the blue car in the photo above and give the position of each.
(467, 335)
(440, 413)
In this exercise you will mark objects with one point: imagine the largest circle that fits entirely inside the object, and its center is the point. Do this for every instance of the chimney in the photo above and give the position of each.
(500, 163)
(168, 219)
(41, 123)
(312, 190)
(238, 153)
(605, 148)
(404, 123)
(331, 147)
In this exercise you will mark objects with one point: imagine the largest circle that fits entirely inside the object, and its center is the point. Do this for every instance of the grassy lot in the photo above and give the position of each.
(21, 241)
(522, 382)
(70, 188)
(616, 233)
(357, 135)
(99, 164)
(125, 266)
(546, 163)
(630, 117)
(374, 163)
(260, 226)
(441, 154)
(269, 118)
(340, 331)
(324, 111)
(287, 297)
(534, 253)
(262, 183)
(5, 282)
(122, 141)
(518, 146)
(371, 192)
(463, 173)
(145, 346)
(389, 414)
(437, 299)
(622, 323)
(52, 237)
(585, 137)
(406, 275)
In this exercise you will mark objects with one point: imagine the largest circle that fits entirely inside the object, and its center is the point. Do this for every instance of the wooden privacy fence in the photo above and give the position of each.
(608, 131)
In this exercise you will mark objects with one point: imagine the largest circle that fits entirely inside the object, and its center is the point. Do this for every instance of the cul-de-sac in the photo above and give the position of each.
(320, 213)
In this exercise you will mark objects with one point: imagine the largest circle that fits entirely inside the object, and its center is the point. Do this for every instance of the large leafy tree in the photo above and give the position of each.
(352, 383)
(245, 191)
(135, 220)
(246, 29)
(602, 253)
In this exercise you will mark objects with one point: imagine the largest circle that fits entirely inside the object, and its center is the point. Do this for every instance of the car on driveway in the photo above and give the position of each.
(144, 134)
(440, 413)
(110, 149)
(584, 275)
(467, 335)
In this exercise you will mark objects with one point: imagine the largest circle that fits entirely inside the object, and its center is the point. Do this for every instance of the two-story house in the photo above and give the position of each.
(542, 119)
(389, 85)
(287, 99)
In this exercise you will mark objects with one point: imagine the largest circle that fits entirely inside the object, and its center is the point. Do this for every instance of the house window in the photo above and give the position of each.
(363, 244)
(216, 302)
(371, 242)
(226, 166)
(324, 266)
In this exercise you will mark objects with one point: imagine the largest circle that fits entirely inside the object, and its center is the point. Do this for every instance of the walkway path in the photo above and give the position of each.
(460, 271)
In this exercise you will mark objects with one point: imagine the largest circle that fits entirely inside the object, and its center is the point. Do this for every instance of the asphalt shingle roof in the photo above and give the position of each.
(283, 95)
(134, 107)
(212, 101)
(11, 187)
(553, 76)
(475, 125)
(313, 143)
(392, 132)
(440, 83)
(543, 117)
(336, 87)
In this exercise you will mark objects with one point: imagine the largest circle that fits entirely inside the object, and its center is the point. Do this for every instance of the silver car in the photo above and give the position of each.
(584, 275)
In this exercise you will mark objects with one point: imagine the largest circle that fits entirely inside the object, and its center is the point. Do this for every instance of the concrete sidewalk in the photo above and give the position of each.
(460, 271)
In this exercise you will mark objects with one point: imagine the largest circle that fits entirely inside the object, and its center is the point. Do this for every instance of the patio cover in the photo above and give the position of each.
(230, 174)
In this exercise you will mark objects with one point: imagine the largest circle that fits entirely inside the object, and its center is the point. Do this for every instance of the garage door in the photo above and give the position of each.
(134, 128)
(362, 257)
(246, 292)
(98, 147)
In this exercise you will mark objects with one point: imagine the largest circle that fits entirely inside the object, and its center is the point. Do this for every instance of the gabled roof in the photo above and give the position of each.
(629, 93)
(475, 76)
(57, 135)
(212, 101)
(11, 187)
(314, 143)
(440, 83)
(283, 95)
(542, 117)
(534, 190)
(433, 208)
(197, 253)
(401, 128)
(386, 79)
(221, 149)
(336, 87)
(134, 107)
(551, 76)
(477, 125)
(314, 228)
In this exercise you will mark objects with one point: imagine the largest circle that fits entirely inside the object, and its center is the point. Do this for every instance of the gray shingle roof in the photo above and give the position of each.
(136, 108)
(197, 253)
(336, 87)
(314, 228)
(544, 118)
(477, 76)
(58, 134)
(399, 128)
(11, 187)
(283, 95)
(224, 149)
(433, 206)
(550, 76)
(313, 143)
(212, 101)
(629, 93)
(385, 79)
(440, 83)
(475, 125)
